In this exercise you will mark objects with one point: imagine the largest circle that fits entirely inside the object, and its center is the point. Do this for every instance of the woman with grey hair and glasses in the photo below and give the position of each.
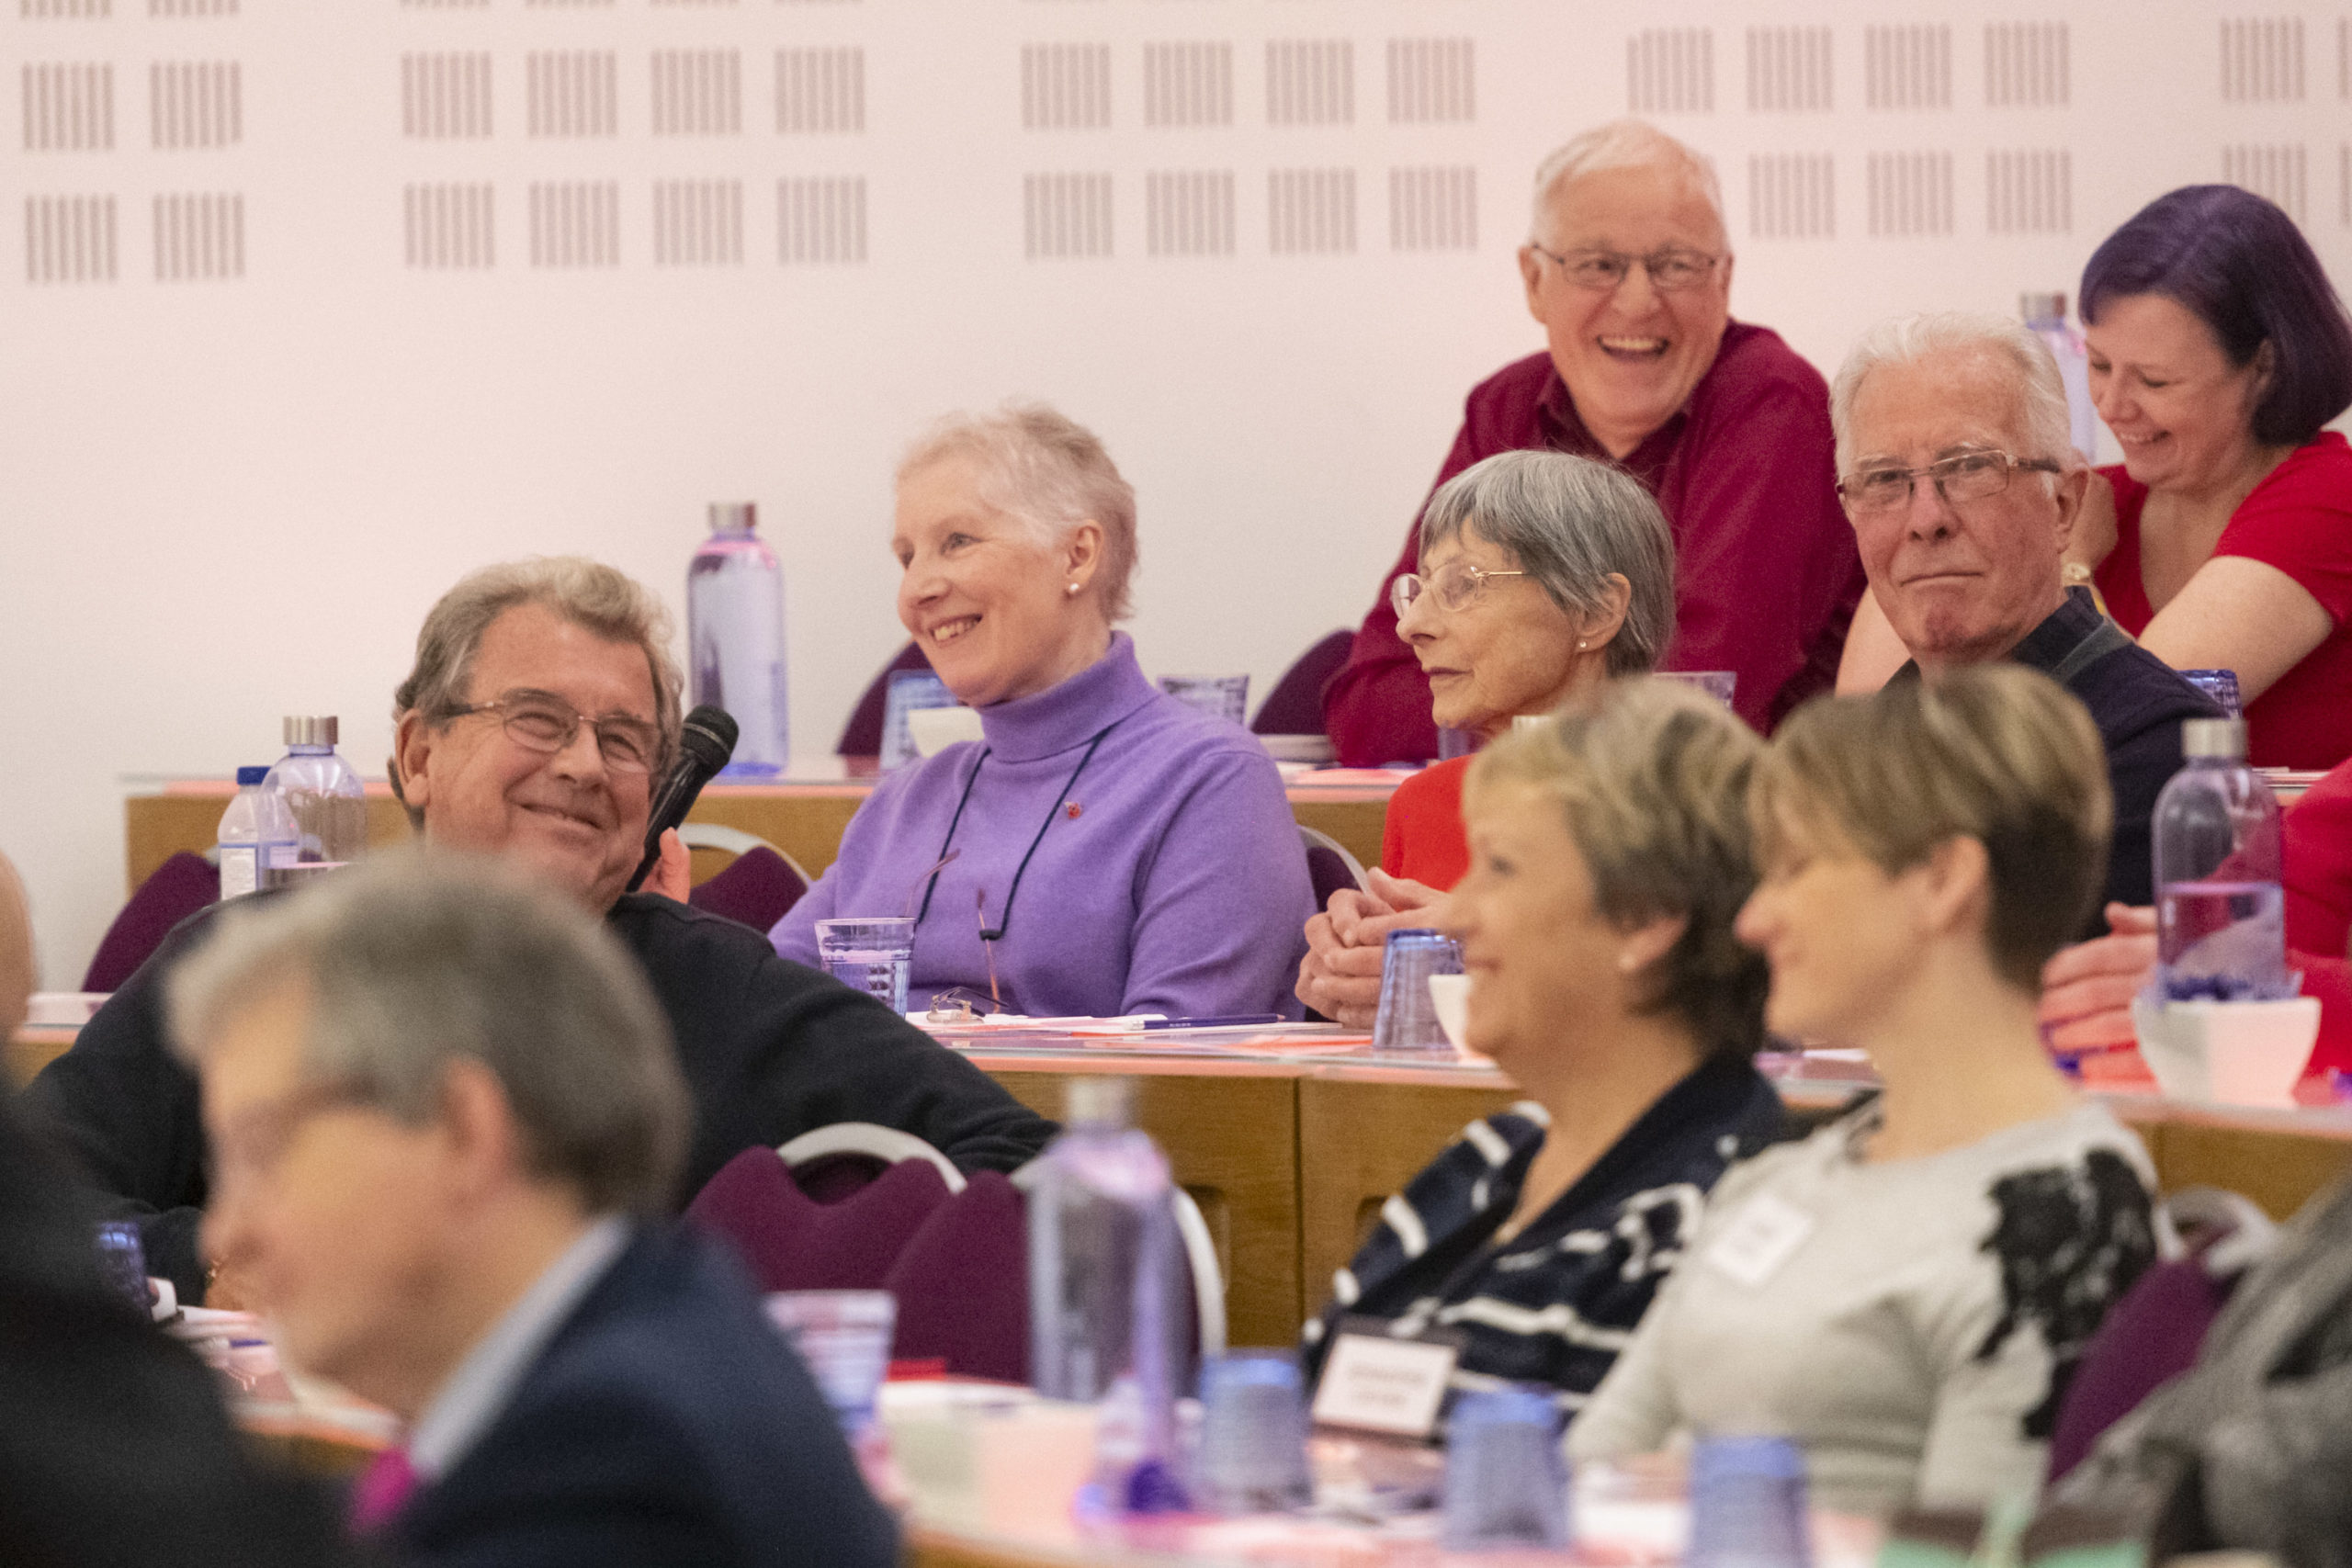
(1542, 576)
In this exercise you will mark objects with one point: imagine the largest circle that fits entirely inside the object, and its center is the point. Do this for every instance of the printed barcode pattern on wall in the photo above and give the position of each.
(68, 107)
(2262, 60)
(820, 221)
(1789, 71)
(63, 10)
(2277, 171)
(1065, 216)
(189, 7)
(1188, 212)
(1311, 211)
(697, 222)
(572, 92)
(1187, 84)
(1906, 67)
(69, 238)
(449, 226)
(697, 92)
(1310, 81)
(1670, 70)
(445, 96)
(1433, 210)
(576, 223)
(1793, 196)
(819, 91)
(1065, 86)
(198, 237)
(1431, 80)
(2025, 65)
(195, 104)
(2030, 192)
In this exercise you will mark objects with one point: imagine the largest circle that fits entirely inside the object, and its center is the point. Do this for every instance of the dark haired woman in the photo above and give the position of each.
(2218, 349)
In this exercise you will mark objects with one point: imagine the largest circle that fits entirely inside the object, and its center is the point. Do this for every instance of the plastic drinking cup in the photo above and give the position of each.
(122, 1259)
(1717, 683)
(1506, 1483)
(1253, 1433)
(845, 1337)
(1408, 1019)
(908, 690)
(873, 955)
(2222, 685)
(1220, 696)
(1748, 1504)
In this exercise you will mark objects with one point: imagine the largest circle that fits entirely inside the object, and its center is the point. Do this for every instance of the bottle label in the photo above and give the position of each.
(240, 870)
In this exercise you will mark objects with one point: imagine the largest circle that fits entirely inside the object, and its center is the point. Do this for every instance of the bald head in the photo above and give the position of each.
(16, 950)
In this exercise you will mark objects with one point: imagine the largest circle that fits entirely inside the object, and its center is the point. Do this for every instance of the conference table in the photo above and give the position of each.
(802, 813)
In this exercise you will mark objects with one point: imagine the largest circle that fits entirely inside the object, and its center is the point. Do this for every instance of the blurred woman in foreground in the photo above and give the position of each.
(1541, 577)
(1609, 855)
(1905, 1293)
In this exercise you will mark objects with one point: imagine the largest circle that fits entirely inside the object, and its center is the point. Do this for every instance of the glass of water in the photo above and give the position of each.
(871, 955)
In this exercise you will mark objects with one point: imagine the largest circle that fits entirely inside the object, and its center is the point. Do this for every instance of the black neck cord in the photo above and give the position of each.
(966, 799)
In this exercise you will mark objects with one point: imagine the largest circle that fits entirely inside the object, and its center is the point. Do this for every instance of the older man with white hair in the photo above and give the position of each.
(1627, 267)
(1961, 485)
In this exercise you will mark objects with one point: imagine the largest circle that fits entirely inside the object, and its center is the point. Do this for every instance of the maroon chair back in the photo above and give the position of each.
(757, 889)
(1329, 870)
(174, 891)
(2152, 1334)
(1296, 704)
(862, 735)
(962, 1283)
(790, 1241)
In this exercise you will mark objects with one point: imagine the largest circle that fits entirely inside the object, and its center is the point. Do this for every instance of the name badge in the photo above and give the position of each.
(1764, 1235)
(1376, 1383)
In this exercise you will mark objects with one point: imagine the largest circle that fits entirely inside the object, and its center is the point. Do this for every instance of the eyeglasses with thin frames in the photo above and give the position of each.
(254, 1140)
(1961, 478)
(541, 721)
(1456, 585)
(1669, 271)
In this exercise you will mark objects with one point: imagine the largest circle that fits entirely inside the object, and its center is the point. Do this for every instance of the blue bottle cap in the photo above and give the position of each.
(247, 777)
(1416, 936)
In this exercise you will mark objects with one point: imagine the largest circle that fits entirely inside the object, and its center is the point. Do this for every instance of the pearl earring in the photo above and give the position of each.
(1070, 588)
(1580, 647)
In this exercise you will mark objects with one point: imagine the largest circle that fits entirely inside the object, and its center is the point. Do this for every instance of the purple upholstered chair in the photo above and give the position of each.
(1329, 866)
(793, 1241)
(174, 891)
(1296, 704)
(756, 889)
(962, 1284)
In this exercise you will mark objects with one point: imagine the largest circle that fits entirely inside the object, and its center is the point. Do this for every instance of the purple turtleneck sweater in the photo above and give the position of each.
(1172, 880)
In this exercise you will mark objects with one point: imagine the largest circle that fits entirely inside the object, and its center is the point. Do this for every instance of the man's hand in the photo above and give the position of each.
(672, 876)
(2086, 989)
(1339, 977)
(2092, 537)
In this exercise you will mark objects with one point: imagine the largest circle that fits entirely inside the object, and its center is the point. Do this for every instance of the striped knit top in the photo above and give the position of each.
(1555, 1303)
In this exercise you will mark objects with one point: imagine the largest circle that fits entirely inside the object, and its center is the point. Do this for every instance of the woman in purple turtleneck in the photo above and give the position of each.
(1122, 851)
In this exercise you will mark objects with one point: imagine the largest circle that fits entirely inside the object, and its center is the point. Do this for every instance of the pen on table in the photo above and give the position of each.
(1231, 1021)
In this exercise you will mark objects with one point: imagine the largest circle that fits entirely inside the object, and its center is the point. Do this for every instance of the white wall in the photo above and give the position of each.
(232, 495)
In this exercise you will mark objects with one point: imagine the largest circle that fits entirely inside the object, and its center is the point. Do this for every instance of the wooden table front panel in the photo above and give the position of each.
(1232, 1142)
(1357, 1142)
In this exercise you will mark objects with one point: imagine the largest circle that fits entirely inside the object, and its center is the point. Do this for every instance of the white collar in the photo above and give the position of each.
(474, 1395)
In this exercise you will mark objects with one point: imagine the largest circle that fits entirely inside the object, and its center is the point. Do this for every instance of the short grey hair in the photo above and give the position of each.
(420, 958)
(1625, 145)
(1901, 340)
(1039, 467)
(588, 593)
(1569, 523)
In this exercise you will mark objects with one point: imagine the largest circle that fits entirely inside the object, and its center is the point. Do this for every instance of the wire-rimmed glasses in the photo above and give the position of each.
(1671, 270)
(1962, 477)
(541, 721)
(1456, 585)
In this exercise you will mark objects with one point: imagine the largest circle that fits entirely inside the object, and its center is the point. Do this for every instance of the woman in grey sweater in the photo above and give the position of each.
(1905, 1293)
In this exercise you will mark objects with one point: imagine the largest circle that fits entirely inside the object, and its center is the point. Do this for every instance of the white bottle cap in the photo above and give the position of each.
(1100, 1099)
(734, 516)
(311, 730)
(2213, 737)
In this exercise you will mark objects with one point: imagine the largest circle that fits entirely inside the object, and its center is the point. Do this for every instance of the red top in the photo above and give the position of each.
(2299, 519)
(1766, 573)
(1422, 838)
(2318, 850)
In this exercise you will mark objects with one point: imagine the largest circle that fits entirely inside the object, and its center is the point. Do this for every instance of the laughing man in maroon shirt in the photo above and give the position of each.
(1628, 268)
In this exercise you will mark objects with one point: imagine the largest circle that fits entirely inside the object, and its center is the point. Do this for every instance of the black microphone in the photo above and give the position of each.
(704, 742)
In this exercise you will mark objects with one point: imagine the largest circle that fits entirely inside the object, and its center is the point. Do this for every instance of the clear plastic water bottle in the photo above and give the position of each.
(1109, 1300)
(328, 802)
(2046, 316)
(257, 838)
(2220, 915)
(735, 637)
